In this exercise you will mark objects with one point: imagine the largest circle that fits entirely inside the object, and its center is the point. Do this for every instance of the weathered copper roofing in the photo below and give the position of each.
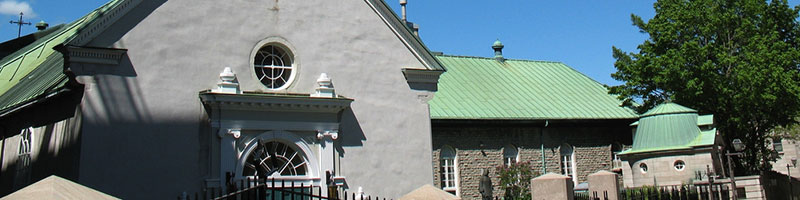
(36, 70)
(483, 88)
(670, 126)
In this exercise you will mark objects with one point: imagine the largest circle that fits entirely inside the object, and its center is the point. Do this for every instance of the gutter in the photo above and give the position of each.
(34, 101)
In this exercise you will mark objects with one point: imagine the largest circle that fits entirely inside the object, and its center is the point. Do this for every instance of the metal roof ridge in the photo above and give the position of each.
(507, 59)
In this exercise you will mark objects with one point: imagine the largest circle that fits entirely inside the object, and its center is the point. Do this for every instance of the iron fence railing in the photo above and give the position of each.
(683, 192)
(273, 189)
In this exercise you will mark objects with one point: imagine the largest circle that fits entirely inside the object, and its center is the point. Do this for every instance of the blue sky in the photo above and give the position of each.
(577, 33)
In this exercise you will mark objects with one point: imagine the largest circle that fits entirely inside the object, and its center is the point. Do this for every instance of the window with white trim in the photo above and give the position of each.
(777, 144)
(447, 169)
(567, 160)
(275, 158)
(679, 165)
(510, 155)
(643, 168)
(24, 153)
(274, 66)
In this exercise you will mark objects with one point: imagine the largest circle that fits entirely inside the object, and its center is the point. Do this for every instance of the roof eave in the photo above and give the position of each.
(412, 42)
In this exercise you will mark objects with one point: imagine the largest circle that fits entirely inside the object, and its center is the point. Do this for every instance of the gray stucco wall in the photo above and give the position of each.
(145, 129)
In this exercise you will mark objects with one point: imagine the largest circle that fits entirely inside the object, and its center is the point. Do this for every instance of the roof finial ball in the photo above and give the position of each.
(498, 51)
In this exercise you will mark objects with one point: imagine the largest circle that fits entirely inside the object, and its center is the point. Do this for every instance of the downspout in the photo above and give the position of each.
(541, 140)
(2, 153)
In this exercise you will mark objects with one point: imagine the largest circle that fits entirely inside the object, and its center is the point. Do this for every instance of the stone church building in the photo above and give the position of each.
(149, 99)
(490, 112)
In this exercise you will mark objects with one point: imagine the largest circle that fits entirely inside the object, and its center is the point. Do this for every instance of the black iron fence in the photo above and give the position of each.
(683, 192)
(275, 190)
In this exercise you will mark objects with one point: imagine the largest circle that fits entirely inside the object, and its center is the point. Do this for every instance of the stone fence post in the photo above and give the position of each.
(552, 186)
(604, 182)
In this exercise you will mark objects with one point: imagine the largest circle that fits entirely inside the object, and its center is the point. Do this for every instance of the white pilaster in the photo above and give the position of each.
(326, 156)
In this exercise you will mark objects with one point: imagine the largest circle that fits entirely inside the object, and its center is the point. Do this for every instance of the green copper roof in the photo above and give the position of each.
(702, 120)
(668, 108)
(36, 70)
(705, 120)
(484, 88)
(670, 126)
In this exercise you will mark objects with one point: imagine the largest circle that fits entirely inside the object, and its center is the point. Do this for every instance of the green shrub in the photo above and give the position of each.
(515, 180)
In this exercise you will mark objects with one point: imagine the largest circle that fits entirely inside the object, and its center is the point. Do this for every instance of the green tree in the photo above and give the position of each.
(515, 180)
(737, 59)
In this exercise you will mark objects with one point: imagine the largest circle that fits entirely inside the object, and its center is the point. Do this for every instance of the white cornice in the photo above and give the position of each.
(268, 102)
(92, 55)
(106, 19)
(422, 76)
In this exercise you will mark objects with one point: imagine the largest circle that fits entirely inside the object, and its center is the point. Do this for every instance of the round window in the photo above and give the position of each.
(679, 165)
(643, 167)
(273, 66)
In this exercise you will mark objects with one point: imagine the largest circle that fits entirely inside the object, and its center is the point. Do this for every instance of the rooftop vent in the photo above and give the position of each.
(498, 51)
(42, 25)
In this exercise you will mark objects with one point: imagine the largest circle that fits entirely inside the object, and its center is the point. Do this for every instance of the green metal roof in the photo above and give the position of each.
(670, 126)
(36, 70)
(484, 88)
(702, 120)
(668, 108)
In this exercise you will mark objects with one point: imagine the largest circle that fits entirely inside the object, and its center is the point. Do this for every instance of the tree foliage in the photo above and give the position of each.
(736, 59)
(515, 180)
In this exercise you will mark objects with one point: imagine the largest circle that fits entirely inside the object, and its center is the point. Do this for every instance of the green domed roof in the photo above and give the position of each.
(669, 126)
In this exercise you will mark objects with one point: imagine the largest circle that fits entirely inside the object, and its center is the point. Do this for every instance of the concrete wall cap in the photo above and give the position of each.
(552, 176)
(602, 172)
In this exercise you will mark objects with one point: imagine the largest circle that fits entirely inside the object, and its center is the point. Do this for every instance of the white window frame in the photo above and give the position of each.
(510, 159)
(679, 165)
(568, 162)
(24, 156)
(284, 45)
(301, 146)
(777, 142)
(443, 175)
(643, 168)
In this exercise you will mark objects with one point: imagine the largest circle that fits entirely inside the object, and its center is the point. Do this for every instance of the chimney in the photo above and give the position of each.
(403, 8)
(42, 25)
(498, 51)
(411, 25)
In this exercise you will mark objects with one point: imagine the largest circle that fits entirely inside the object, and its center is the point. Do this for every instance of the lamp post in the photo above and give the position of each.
(789, 174)
(737, 146)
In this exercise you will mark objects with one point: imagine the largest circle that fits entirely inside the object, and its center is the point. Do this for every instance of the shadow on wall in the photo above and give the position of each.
(115, 32)
(59, 151)
(351, 134)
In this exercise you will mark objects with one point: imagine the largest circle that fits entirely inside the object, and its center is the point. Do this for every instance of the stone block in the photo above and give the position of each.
(552, 186)
(604, 182)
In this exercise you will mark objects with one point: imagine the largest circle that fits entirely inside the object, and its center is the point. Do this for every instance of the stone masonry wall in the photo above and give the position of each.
(591, 146)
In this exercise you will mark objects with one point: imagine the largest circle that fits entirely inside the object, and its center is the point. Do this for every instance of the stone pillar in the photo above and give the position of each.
(552, 186)
(604, 181)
